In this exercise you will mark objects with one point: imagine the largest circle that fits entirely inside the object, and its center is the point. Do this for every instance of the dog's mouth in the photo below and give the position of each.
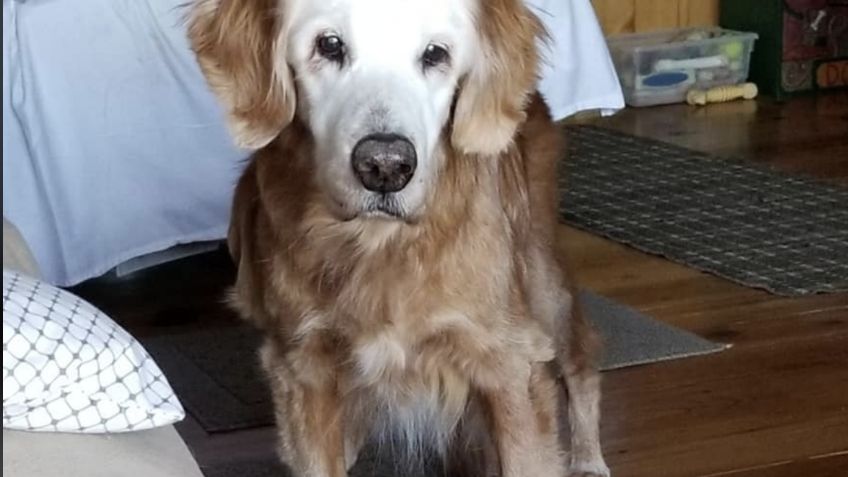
(387, 207)
(384, 206)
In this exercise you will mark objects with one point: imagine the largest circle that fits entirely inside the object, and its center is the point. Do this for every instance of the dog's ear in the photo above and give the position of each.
(241, 50)
(493, 95)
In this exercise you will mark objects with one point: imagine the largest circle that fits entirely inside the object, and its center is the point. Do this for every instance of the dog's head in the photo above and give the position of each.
(378, 83)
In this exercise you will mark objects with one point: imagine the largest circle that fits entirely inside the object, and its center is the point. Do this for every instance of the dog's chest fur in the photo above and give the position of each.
(415, 351)
(410, 321)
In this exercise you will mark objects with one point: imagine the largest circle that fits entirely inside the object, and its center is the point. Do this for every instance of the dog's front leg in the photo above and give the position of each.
(584, 395)
(314, 427)
(309, 419)
(583, 391)
(522, 414)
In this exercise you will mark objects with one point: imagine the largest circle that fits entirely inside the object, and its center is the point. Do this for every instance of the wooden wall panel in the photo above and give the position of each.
(698, 12)
(616, 16)
(656, 15)
(628, 16)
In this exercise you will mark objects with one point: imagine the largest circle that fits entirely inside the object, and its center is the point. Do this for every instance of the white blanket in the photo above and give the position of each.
(113, 147)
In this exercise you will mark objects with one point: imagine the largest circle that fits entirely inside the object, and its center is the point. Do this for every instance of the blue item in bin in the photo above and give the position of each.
(665, 79)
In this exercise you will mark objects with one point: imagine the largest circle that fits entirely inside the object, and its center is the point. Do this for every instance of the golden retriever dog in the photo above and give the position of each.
(395, 230)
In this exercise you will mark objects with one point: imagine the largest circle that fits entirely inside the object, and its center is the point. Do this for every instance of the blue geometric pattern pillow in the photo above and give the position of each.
(67, 367)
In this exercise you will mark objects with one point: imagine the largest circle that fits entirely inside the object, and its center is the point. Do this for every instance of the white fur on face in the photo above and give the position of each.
(381, 86)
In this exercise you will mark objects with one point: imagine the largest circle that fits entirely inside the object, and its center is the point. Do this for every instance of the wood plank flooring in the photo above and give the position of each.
(776, 403)
(773, 405)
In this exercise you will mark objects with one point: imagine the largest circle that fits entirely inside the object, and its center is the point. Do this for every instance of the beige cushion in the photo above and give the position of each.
(154, 453)
(157, 452)
(16, 253)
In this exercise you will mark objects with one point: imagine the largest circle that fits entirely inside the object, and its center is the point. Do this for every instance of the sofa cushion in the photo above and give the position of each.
(16, 253)
(152, 453)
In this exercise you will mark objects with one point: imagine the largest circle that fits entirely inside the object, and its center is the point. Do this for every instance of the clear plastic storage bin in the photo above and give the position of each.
(661, 67)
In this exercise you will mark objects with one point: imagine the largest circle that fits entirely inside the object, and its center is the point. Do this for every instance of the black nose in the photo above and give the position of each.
(384, 162)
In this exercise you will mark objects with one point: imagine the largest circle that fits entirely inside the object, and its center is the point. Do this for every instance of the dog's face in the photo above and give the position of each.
(377, 82)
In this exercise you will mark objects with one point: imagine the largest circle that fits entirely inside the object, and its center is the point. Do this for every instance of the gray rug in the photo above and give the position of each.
(216, 375)
(372, 463)
(740, 221)
(632, 338)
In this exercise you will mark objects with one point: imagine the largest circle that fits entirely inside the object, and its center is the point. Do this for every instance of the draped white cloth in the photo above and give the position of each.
(113, 146)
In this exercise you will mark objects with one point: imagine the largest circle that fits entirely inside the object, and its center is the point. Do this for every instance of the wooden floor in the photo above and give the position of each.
(775, 404)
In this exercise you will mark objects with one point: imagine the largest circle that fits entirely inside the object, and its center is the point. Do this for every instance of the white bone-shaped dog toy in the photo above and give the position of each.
(721, 94)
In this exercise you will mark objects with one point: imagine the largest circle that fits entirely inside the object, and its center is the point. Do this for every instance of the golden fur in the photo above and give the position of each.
(454, 327)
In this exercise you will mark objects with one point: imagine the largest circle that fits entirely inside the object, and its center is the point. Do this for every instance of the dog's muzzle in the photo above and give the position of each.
(384, 163)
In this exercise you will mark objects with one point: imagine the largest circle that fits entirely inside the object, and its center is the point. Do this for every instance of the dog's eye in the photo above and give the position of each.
(331, 47)
(434, 55)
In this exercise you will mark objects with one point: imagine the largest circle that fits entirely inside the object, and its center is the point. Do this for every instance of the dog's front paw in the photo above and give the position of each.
(580, 473)
(589, 469)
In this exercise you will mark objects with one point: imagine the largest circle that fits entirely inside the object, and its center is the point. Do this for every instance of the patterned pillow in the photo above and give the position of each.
(67, 367)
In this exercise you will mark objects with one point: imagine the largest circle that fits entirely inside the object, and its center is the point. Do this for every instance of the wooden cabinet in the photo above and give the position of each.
(628, 16)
